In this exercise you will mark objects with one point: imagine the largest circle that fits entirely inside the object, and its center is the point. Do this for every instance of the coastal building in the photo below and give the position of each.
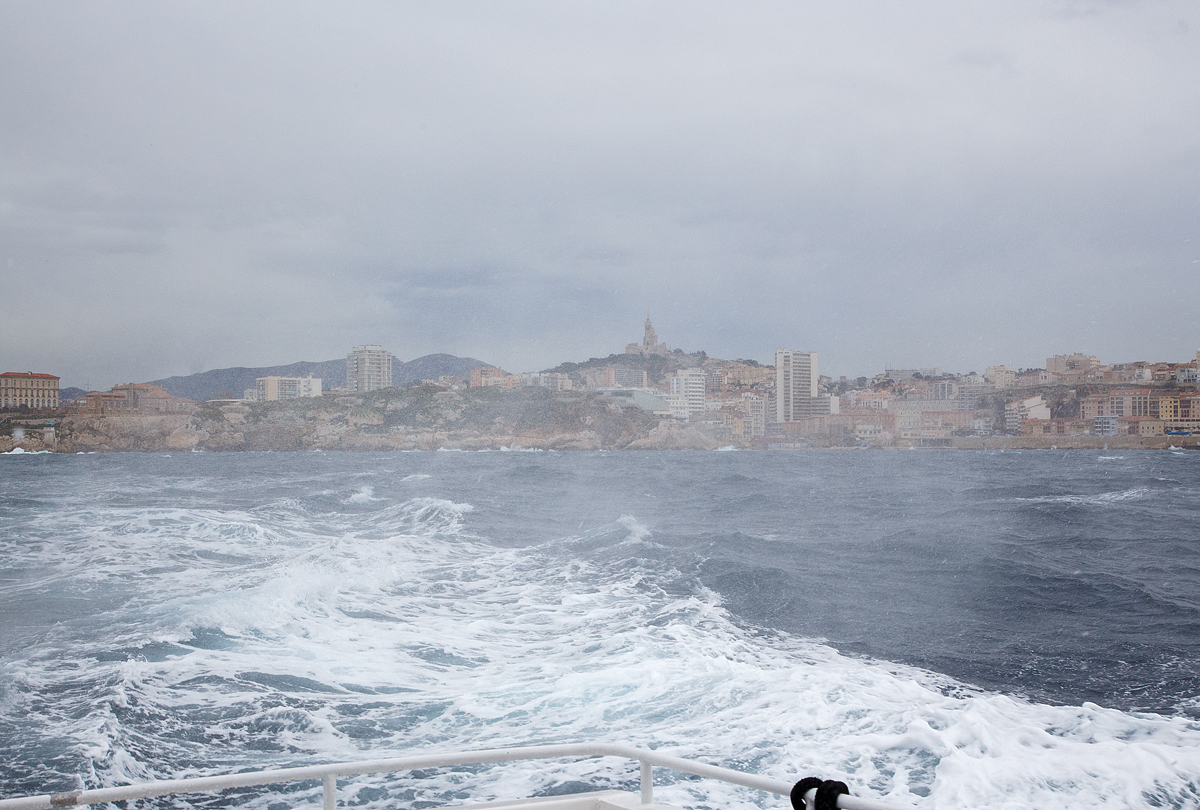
(755, 408)
(646, 400)
(1189, 406)
(1072, 364)
(1109, 413)
(133, 398)
(492, 377)
(482, 375)
(1094, 407)
(270, 389)
(1038, 376)
(1015, 413)
(1137, 372)
(368, 368)
(1056, 427)
(546, 379)
(871, 433)
(873, 400)
(942, 390)
(677, 404)
(1143, 426)
(795, 383)
(982, 425)
(1165, 406)
(612, 377)
(689, 383)
(733, 424)
(1000, 376)
(627, 377)
(1129, 402)
(743, 376)
(29, 389)
(796, 395)
(968, 396)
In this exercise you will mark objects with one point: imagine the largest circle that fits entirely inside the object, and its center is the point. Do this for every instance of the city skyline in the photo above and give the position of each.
(832, 374)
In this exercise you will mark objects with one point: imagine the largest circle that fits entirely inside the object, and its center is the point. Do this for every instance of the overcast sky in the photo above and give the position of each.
(188, 186)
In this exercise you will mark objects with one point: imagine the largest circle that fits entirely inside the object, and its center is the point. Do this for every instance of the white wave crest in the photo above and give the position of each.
(1099, 499)
(365, 494)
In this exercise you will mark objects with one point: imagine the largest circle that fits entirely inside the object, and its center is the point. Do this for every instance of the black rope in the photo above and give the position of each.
(800, 788)
(828, 791)
(827, 794)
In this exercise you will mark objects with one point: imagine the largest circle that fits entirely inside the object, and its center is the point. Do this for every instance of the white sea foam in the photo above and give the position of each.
(402, 632)
(1099, 499)
(365, 494)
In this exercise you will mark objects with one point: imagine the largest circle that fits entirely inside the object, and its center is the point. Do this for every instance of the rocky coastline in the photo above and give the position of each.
(433, 418)
(419, 418)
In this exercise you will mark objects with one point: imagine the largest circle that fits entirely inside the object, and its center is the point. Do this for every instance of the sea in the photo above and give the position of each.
(938, 629)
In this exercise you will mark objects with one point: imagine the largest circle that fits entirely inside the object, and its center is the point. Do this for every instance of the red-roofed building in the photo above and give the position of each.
(38, 391)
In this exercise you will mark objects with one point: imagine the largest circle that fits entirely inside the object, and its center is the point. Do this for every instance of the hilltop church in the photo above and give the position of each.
(649, 344)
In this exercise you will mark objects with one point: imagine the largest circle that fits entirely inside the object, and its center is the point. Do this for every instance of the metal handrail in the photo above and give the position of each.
(329, 773)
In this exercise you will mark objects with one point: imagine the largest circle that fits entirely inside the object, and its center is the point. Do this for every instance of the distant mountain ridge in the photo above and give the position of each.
(208, 384)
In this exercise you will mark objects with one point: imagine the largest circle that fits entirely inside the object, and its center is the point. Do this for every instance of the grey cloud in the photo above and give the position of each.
(519, 182)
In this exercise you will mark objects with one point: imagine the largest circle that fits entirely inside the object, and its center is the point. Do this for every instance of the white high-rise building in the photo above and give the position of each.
(689, 383)
(368, 368)
(795, 384)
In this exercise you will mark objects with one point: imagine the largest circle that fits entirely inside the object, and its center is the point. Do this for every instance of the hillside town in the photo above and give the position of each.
(740, 403)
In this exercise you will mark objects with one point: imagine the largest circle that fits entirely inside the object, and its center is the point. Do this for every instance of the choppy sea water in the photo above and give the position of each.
(937, 629)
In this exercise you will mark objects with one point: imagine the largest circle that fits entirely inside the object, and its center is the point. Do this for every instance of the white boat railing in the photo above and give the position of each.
(328, 775)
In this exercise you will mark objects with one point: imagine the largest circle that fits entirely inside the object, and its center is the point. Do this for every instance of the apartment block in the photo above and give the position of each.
(795, 384)
(270, 389)
(1143, 426)
(689, 383)
(746, 376)
(1000, 376)
(368, 368)
(678, 405)
(481, 376)
(616, 378)
(1130, 402)
(1056, 427)
(1015, 413)
(755, 408)
(1072, 364)
(554, 380)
